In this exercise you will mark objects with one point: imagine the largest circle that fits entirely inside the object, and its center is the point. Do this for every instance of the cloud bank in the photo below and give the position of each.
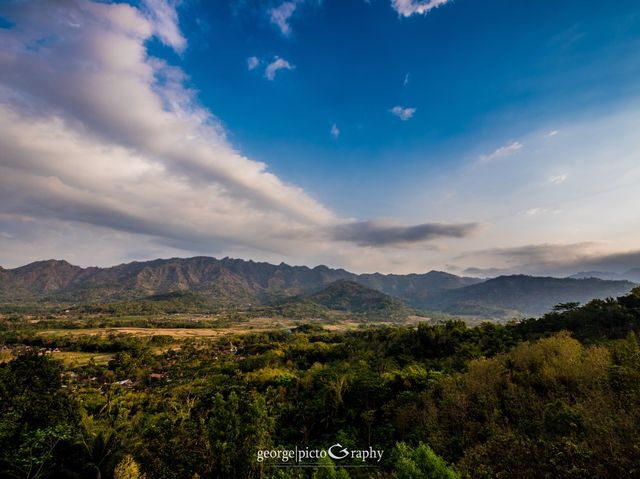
(105, 146)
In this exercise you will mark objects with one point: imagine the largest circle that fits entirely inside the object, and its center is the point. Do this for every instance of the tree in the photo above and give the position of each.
(38, 418)
(419, 462)
(327, 470)
(128, 469)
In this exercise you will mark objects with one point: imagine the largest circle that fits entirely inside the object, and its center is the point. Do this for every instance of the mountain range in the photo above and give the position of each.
(226, 281)
(235, 282)
(632, 274)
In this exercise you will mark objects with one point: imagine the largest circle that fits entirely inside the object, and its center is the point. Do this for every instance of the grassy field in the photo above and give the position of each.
(76, 358)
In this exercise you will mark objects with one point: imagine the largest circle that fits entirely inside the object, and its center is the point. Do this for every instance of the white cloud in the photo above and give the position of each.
(552, 133)
(252, 63)
(503, 151)
(281, 15)
(277, 64)
(403, 113)
(406, 80)
(164, 20)
(96, 131)
(558, 179)
(406, 8)
(335, 132)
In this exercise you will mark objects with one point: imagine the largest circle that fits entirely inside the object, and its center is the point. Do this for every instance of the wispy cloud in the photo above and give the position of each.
(558, 179)
(164, 20)
(503, 151)
(252, 63)
(281, 15)
(406, 79)
(534, 211)
(277, 64)
(403, 113)
(552, 133)
(406, 8)
(335, 132)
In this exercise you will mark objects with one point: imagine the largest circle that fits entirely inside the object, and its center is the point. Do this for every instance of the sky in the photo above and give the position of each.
(475, 137)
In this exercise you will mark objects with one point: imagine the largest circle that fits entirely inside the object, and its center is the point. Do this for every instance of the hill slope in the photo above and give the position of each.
(345, 295)
(525, 294)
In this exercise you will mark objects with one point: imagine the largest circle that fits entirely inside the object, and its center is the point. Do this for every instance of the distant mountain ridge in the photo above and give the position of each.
(532, 295)
(597, 274)
(226, 281)
(632, 274)
(235, 282)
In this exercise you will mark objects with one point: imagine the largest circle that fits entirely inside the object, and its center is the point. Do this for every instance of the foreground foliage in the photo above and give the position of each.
(557, 397)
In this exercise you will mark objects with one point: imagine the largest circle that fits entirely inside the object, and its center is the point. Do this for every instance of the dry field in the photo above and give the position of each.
(253, 325)
(76, 358)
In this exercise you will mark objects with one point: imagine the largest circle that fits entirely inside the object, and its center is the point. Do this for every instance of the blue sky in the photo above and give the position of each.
(479, 73)
(389, 135)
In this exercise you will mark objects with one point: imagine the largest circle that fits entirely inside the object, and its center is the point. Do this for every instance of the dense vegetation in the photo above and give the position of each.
(556, 397)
